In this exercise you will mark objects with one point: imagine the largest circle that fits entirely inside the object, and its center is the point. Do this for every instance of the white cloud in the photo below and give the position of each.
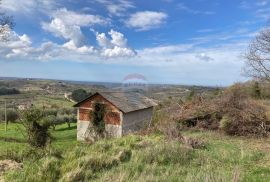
(116, 46)
(146, 20)
(68, 32)
(73, 18)
(83, 49)
(20, 47)
(117, 8)
(118, 52)
(16, 46)
(28, 7)
(118, 39)
(102, 40)
(67, 24)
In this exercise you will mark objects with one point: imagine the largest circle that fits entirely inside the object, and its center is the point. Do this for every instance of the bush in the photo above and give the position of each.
(67, 111)
(79, 94)
(234, 111)
(8, 91)
(12, 115)
(50, 112)
(242, 115)
(36, 126)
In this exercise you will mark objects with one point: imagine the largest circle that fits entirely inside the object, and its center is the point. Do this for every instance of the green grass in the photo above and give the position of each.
(138, 158)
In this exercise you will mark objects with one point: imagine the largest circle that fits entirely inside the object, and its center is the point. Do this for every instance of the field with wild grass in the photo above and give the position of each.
(136, 158)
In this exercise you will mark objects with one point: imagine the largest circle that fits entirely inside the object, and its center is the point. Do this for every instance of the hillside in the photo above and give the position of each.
(157, 154)
(137, 158)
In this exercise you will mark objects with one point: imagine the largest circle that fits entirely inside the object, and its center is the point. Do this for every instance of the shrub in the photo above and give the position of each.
(79, 94)
(50, 112)
(8, 91)
(242, 115)
(36, 127)
(234, 111)
(12, 115)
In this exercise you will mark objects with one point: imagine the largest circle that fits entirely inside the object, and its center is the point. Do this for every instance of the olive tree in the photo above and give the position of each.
(36, 126)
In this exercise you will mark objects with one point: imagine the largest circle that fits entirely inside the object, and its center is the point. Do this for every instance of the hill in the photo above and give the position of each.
(136, 158)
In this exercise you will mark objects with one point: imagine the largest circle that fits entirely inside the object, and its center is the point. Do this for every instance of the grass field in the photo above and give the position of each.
(137, 158)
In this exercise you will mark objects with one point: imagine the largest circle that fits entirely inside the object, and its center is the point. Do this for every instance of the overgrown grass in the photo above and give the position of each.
(138, 158)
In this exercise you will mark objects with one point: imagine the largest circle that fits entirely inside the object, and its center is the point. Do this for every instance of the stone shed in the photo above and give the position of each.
(125, 112)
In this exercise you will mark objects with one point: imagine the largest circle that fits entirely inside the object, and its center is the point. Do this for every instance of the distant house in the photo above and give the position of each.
(125, 112)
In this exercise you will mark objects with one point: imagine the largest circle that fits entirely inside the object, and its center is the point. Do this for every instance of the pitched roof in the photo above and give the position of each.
(125, 101)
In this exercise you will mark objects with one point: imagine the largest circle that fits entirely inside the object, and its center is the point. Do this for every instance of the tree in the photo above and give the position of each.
(258, 56)
(36, 126)
(79, 94)
(6, 24)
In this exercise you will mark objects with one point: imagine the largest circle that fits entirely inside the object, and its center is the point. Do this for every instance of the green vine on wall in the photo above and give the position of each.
(98, 117)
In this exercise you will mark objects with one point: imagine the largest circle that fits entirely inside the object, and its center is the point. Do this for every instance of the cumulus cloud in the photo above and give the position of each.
(118, 52)
(112, 45)
(83, 49)
(67, 24)
(17, 46)
(115, 46)
(118, 39)
(146, 20)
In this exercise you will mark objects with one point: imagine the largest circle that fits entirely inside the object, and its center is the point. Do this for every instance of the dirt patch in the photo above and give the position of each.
(6, 165)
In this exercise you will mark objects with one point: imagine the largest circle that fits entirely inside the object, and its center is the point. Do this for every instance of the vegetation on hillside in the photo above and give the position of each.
(137, 158)
(184, 142)
(8, 91)
(79, 95)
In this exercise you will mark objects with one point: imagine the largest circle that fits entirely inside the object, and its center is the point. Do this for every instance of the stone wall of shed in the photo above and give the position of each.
(136, 120)
(113, 118)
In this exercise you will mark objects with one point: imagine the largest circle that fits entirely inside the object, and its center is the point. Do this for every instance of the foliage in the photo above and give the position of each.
(8, 91)
(153, 158)
(60, 119)
(36, 127)
(79, 94)
(12, 115)
(242, 115)
(98, 117)
(234, 112)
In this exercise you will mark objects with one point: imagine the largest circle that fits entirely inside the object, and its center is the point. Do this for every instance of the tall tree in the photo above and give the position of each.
(258, 56)
(6, 25)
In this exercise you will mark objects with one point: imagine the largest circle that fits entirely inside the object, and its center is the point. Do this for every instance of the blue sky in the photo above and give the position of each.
(198, 42)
